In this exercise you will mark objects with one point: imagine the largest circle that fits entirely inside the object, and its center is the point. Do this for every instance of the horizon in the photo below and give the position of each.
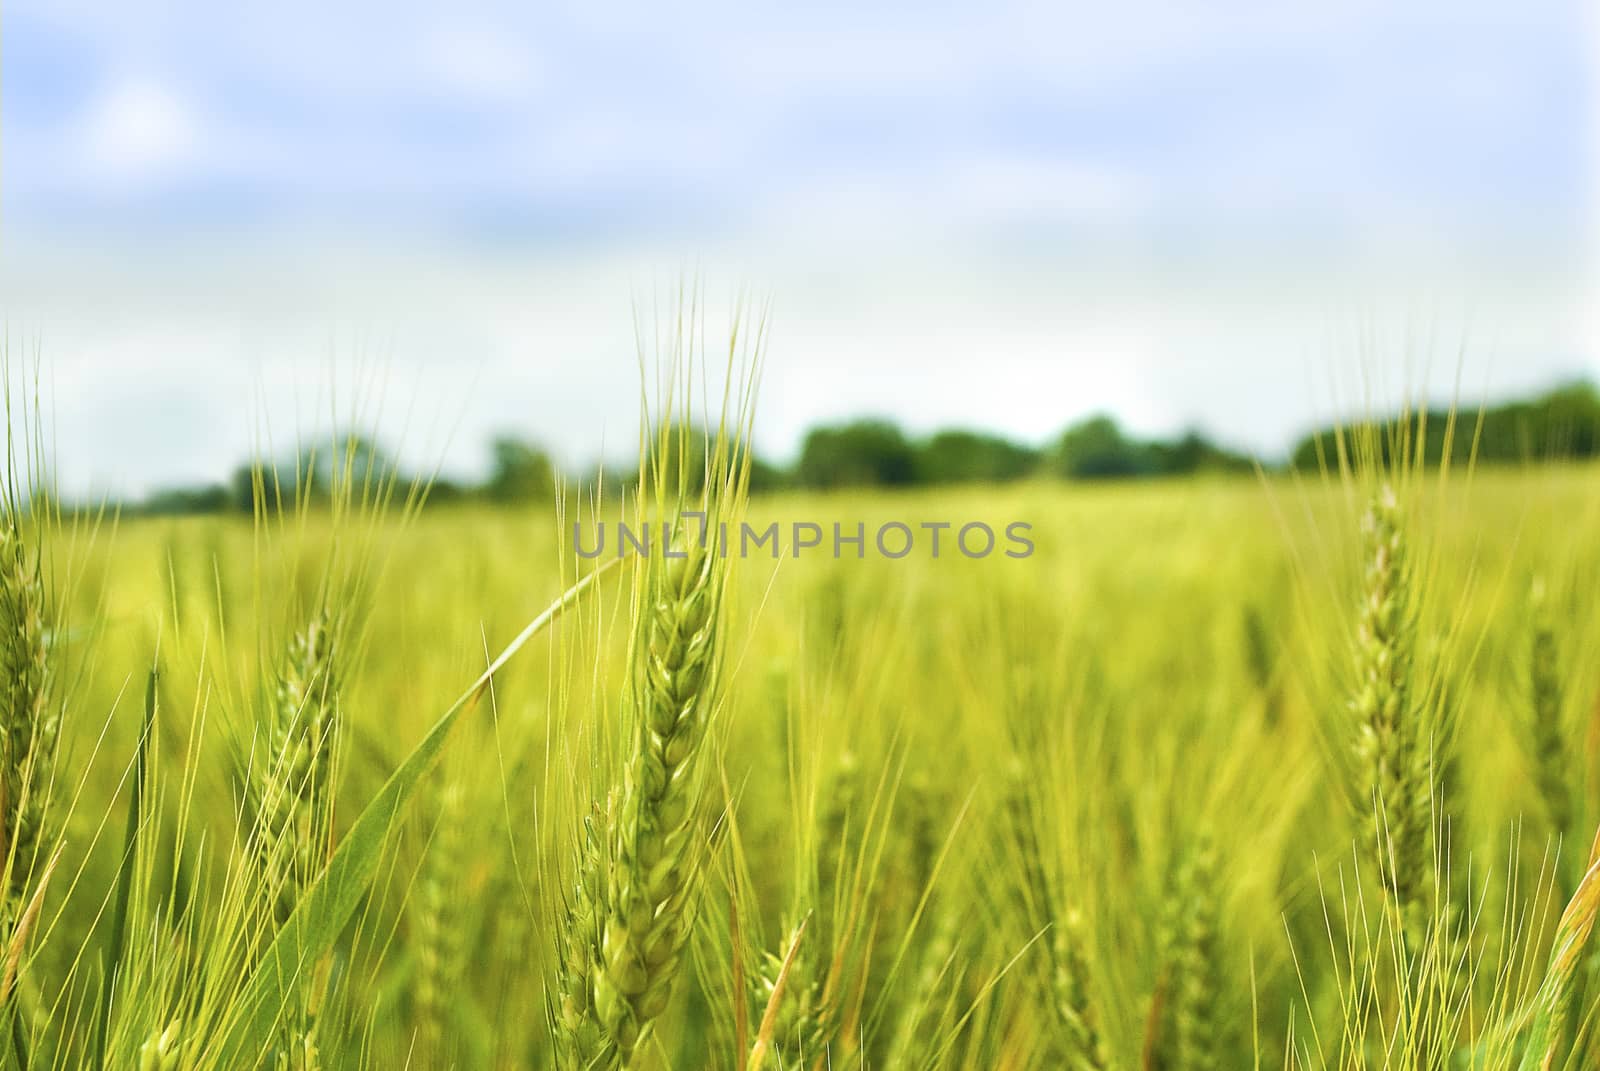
(787, 464)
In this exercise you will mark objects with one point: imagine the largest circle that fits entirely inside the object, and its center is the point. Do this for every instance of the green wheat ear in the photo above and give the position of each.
(629, 919)
(630, 915)
(798, 1025)
(31, 733)
(575, 1021)
(655, 847)
(806, 1021)
(290, 780)
(1191, 959)
(916, 1037)
(1551, 1007)
(162, 1051)
(1389, 744)
(289, 800)
(439, 946)
(1074, 1041)
(1545, 732)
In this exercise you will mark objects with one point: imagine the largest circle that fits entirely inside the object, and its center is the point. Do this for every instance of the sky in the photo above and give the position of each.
(220, 223)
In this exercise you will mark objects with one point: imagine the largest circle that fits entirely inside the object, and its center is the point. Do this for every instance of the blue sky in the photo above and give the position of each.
(1006, 215)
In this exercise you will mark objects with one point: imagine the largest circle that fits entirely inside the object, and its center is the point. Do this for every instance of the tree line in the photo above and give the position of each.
(1561, 424)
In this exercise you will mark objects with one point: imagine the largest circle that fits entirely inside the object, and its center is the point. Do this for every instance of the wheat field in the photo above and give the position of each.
(1291, 771)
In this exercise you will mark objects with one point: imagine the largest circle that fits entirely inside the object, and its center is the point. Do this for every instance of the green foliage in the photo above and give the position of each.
(960, 456)
(873, 453)
(1097, 448)
(519, 472)
(1192, 453)
(1561, 424)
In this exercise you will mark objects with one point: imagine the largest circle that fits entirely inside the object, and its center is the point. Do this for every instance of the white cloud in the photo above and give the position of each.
(139, 130)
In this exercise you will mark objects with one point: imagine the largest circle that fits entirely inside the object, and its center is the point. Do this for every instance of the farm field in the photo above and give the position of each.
(1220, 775)
(844, 537)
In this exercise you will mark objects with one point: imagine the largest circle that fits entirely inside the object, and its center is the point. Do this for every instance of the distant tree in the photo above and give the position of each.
(519, 472)
(214, 498)
(600, 484)
(443, 491)
(247, 482)
(1193, 453)
(1572, 415)
(959, 456)
(1561, 424)
(863, 453)
(349, 459)
(1564, 423)
(1096, 448)
(352, 461)
(765, 476)
(677, 452)
(39, 497)
(688, 446)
